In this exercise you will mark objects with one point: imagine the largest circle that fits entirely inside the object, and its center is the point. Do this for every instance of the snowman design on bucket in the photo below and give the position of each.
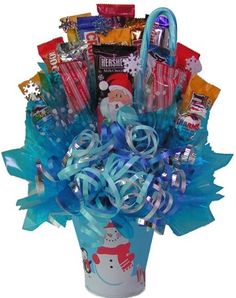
(114, 261)
(86, 262)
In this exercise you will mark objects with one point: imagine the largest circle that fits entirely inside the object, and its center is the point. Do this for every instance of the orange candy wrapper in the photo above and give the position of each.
(197, 86)
(197, 101)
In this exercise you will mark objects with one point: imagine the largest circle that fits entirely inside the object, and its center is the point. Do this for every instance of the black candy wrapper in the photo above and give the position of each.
(115, 68)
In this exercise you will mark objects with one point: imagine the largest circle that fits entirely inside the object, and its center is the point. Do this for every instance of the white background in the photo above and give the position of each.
(47, 262)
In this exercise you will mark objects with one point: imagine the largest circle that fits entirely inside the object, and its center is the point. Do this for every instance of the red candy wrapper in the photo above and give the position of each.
(116, 10)
(187, 60)
(74, 75)
(48, 52)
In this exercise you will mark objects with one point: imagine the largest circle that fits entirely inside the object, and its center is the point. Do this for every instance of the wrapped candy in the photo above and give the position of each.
(72, 51)
(187, 60)
(121, 36)
(160, 33)
(199, 96)
(48, 52)
(163, 86)
(136, 27)
(74, 78)
(120, 10)
(116, 67)
(87, 29)
(68, 24)
(197, 101)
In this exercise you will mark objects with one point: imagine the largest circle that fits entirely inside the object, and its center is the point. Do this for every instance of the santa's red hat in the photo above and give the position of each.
(119, 81)
(110, 225)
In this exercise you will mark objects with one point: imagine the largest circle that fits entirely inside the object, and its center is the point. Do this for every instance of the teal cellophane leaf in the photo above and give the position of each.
(47, 212)
(194, 211)
(43, 205)
(20, 163)
(189, 218)
(193, 206)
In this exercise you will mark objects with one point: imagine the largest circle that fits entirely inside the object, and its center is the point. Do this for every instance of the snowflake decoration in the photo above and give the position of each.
(193, 65)
(132, 65)
(31, 91)
(67, 24)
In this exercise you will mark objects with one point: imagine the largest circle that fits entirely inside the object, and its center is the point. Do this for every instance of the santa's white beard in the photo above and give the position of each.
(109, 108)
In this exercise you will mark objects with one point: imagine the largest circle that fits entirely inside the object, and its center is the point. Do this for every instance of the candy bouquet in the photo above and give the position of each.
(116, 140)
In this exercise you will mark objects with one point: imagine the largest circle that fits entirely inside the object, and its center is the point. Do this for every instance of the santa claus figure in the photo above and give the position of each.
(119, 94)
(114, 261)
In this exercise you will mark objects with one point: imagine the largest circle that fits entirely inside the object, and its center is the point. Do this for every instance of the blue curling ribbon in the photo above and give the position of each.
(122, 172)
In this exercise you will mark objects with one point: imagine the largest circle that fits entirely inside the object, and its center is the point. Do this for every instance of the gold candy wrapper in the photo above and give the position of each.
(119, 36)
(136, 27)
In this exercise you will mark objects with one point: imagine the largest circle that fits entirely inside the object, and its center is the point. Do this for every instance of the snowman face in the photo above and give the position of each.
(113, 238)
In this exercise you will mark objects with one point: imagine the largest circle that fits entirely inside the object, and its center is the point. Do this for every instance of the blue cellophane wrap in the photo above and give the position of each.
(57, 201)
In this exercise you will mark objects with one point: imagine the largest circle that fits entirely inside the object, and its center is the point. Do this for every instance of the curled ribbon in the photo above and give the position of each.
(122, 172)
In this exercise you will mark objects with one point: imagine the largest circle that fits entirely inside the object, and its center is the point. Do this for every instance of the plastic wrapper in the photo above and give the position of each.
(72, 51)
(120, 10)
(114, 75)
(120, 36)
(162, 85)
(87, 28)
(74, 77)
(160, 32)
(198, 100)
(136, 27)
(206, 95)
(69, 24)
(187, 60)
(48, 52)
